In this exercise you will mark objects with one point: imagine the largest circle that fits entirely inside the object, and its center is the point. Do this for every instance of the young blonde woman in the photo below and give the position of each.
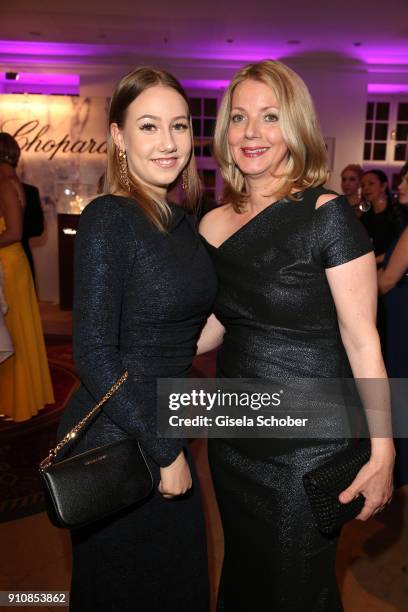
(143, 287)
(297, 298)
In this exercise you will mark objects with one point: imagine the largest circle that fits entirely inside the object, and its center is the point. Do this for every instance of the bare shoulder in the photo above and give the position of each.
(213, 224)
(326, 197)
(8, 182)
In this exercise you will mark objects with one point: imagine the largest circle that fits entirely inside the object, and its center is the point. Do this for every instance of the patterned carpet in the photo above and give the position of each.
(24, 445)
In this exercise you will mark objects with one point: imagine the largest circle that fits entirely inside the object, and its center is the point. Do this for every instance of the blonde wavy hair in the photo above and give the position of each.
(128, 89)
(307, 154)
(356, 168)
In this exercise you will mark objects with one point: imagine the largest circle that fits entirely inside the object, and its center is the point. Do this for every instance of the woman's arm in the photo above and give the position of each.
(354, 289)
(105, 253)
(12, 211)
(397, 265)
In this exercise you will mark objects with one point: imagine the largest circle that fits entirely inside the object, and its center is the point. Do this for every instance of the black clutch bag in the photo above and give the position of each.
(90, 486)
(324, 484)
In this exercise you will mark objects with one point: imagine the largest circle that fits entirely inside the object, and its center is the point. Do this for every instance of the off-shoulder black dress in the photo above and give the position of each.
(280, 320)
(141, 298)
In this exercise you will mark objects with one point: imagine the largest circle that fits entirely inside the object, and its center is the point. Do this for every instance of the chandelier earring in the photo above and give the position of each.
(123, 170)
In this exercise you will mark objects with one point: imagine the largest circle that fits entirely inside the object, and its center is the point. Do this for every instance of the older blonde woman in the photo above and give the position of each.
(297, 298)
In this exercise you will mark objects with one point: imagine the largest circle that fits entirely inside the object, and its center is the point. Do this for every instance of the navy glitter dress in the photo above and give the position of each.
(141, 297)
(280, 320)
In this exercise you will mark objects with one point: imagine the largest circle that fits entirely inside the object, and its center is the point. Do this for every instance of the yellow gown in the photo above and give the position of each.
(25, 382)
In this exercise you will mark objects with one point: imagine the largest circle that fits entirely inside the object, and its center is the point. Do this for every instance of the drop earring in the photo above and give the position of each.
(123, 170)
(184, 180)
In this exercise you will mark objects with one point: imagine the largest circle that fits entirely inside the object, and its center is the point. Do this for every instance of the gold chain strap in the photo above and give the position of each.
(71, 434)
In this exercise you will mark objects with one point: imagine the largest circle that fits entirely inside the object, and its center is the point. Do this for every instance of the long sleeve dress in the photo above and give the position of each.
(141, 297)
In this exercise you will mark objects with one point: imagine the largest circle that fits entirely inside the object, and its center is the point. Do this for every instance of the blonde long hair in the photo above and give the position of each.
(356, 168)
(127, 90)
(307, 158)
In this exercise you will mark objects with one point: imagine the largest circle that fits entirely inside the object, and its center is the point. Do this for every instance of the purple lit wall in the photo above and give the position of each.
(43, 83)
(204, 83)
(16, 49)
(31, 52)
(388, 88)
(201, 66)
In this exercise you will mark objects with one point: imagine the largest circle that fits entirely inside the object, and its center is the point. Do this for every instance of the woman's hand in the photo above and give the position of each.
(175, 479)
(374, 481)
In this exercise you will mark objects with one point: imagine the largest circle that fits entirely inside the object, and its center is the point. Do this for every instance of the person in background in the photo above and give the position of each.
(25, 382)
(381, 220)
(393, 286)
(33, 220)
(350, 184)
(144, 285)
(33, 223)
(384, 224)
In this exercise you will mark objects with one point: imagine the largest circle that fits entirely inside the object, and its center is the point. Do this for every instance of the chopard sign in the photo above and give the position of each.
(34, 137)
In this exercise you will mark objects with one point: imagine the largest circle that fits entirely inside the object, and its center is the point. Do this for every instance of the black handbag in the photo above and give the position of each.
(324, 484)
(90, 486)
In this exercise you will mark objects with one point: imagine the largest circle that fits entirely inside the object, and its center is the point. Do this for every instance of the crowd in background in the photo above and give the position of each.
(386, 220)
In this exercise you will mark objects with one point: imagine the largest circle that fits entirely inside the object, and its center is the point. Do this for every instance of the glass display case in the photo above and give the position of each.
(71, 202)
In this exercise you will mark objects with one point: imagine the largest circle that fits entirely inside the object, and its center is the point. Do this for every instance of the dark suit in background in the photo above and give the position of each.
(33, 222)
